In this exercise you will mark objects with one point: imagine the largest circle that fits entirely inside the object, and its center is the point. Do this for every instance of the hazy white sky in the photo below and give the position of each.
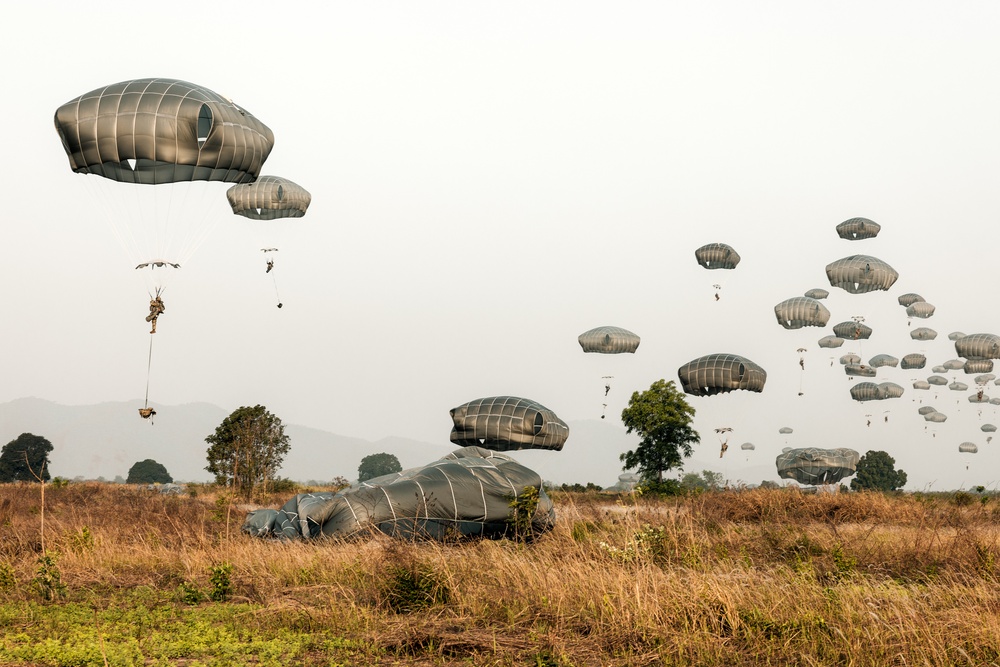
(490, 180)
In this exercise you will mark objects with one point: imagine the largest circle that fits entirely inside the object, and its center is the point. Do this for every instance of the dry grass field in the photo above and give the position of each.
(754, 577)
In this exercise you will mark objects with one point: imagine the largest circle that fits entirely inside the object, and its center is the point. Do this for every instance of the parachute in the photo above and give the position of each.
(870, 391)
(954, 364)
(981, 345)
(968, 448)
(504, 423)
(958, 386)
(466, 493)
(852, 330)
(857, 229)
(801, 311)
(921, 384)
(977, 365)
(988, 428)
(937, 380)
(911, 361)
(717, 256)
(721, 373)
(812, 465)
(785, 430)
(880, 360)
(858, 274)
(859, 370)
(747, 447)
(923, 333)
(936, 417)
(955, 335)
(830, 341)
(850, 358)
(817, 293)
(925, 410)
(920, 309)
(609, 340)
(908, 299)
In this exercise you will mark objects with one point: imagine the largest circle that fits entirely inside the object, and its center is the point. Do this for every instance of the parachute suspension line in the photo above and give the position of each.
(276, 295)
(149, 365)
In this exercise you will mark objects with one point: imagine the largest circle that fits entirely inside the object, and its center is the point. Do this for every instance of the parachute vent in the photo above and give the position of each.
(204, 124)
(128, 164)
(281, 193)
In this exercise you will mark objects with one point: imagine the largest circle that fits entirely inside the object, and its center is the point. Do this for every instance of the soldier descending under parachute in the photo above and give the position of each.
(724, 439)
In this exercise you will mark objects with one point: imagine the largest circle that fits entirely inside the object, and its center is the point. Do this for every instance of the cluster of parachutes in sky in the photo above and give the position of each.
(159, 134)
(856, 274)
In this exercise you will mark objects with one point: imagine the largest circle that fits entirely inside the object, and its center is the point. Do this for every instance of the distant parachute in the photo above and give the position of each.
(988, 428)
(923, 333)
(880, 360)
(954, 364)
(857, 229)
(920, 309)
(860, 370)
(870, 391)
(936, 417)
(785, 430)
(921, 384)
(979, 397)
(977, 365)
(609, 340)
(801, 311)
(504, 423)
(939, 369)
(937, 380)
(955, 335)
(982, 345)
(925, 410)
(747, 446)
(717, 256)
(850, 358)
(852, 330)
(911, 361)
(269, 198)
(968, 448)
(721, 373)
(858, 274)
(811, 465)
(958, 386)
(908, 299)
(817, 293)
(830, 341)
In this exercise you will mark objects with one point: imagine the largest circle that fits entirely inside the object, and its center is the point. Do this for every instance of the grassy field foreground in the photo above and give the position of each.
(754, 577)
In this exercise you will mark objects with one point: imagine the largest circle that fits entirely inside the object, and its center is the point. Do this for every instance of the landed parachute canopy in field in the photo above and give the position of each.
(467, 493)
(504, 423)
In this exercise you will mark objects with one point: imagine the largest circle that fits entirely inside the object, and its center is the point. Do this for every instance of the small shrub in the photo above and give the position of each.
(189, 594)
(414, 587)
(81, 541)
(7, 579)
(522, 514)
(963, 499)
(59, 482)
(48, 578)
(219, 579)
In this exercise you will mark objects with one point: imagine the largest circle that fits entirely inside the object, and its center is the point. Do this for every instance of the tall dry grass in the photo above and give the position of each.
(757, 577)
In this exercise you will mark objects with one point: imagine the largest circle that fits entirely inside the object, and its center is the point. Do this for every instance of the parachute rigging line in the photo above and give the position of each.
(149, 365)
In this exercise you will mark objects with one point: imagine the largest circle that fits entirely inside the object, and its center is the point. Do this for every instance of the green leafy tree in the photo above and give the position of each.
(876, 472)
(706, 481)
(247, 449)
(148, 472)
(25, 459)
(662, 419)
(376, 465)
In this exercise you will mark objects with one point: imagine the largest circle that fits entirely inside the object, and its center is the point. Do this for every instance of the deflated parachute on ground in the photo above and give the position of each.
(504, 423)
(467, 492)
(811, 465)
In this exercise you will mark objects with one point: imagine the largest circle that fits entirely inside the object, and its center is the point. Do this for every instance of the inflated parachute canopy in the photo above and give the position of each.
(981, 345)
(504, 423)
(921, 384)
(920, 309)
(890, 390)
(968, 448)
(880, 360)
(812, 465)
(154, 131)
(466, 493)
(937, 380)
(859, 274)
(869, 391)
(958, 386)
(954, 364)
(721, 373)
(801, 311)
(939, 369)
(859, 370)
(269, 198)
(817, 293)
(830, 342)
(936, 417)
(978, 398)
(852, 330)
(988, 428)
(908, 299)
(747, 446)
(923, 333)
(857, 229)
(977, 365)
(925, 410)
(955, 335)
(609, 340)
(985, 378)
(785, 430)
(850, 358)
(717, 256)
(914, 360)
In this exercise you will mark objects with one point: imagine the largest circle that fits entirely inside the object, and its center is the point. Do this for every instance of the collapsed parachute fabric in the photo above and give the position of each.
(467, 492)
(609, 340)
(857, 229)
(717, 256)
(801, 311)
(153, 131)
(811, 465)
(269, 198)
(505, 423)
(859, 274)
(721, 373)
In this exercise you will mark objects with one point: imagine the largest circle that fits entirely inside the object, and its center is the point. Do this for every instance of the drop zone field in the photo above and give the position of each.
(123, 576)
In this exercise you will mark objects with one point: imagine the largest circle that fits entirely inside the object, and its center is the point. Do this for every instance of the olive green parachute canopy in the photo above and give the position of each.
(954, 364)
(977, 365)
(936, 417)
(958, 386)
(608, 340)
(978, 398)
(988, 428)
(860, 370)
(968, 448)
(920, 309)
(153, 131)
(747, 446)
(914, 360)
(850, 358)
(982, 345)
(811, 465)
(720, 373)
(939, 369)
(908, 299)
(801, 311)
(852, 330)
(785, 430)
(869, 391)
(955, 335)
(859, 274)
(857, 229)
(269, 198)
(817, 293)
(717, 256)
(937, 380)
(995, 400)
(466, 493)
(925, 410)
(880, 360)
(890, 390)
(921, 384)
(923, 333)
(830, 341)
(504, 423)
(986, 378)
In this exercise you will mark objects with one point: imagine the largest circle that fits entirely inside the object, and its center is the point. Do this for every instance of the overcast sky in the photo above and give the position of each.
(490, 180)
